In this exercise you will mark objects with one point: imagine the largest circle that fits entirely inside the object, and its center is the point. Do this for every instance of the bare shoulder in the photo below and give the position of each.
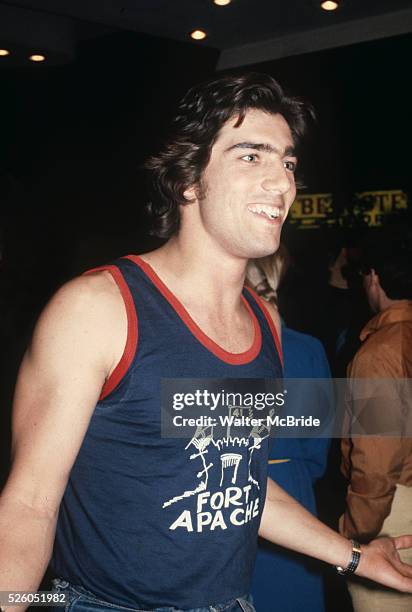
(96, 291)
(86, 313)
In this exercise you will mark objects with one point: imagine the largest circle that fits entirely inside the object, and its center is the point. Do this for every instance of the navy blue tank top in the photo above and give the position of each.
(147, 521)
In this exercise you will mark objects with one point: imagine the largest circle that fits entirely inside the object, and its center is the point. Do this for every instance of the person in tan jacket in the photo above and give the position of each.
(379, 467)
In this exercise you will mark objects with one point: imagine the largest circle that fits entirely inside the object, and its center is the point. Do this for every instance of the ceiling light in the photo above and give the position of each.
(329, 5)
(36, 57)
(4, 52)
(26, 32)
(198, 34)
(222, 2)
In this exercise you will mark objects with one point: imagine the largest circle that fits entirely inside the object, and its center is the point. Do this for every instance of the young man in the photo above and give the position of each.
(148, 522)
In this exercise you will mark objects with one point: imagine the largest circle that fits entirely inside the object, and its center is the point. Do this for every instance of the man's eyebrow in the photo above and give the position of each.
(262, 146)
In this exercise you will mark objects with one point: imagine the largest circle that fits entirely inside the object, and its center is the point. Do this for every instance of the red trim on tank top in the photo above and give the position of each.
(213, 347)
(132, 330)
(270, 322)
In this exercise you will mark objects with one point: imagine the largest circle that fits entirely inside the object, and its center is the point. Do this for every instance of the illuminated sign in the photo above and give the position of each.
(311, 211)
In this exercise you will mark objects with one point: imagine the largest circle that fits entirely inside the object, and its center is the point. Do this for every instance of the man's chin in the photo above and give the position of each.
(264, 250)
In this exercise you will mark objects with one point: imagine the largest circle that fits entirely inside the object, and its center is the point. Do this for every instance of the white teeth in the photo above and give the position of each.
(269, 211)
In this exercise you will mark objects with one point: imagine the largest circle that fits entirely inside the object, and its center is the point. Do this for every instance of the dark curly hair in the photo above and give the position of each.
(391, 261)
(201, 114)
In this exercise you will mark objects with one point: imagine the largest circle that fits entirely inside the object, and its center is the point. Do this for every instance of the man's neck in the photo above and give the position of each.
(191, 269)
(385, 302)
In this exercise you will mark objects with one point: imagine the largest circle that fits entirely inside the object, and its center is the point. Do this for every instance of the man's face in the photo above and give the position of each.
(248, 185)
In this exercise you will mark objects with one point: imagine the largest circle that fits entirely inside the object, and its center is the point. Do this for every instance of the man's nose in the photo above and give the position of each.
(277, 179)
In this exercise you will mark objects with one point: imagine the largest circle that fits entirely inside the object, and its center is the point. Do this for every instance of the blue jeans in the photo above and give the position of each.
(80, 600)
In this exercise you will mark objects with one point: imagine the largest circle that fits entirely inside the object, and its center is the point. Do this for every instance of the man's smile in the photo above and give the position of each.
(269, 213)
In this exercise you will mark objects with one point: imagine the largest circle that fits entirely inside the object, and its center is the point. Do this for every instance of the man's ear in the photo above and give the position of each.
(191, 194)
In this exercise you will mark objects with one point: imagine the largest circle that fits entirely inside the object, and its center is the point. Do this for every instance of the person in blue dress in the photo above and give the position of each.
(284, 580)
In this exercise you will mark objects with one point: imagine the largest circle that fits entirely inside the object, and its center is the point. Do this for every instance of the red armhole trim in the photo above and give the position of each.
(132, 331)
(269, 321)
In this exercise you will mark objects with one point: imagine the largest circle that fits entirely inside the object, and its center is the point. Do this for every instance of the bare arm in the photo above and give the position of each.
(76, 344)
(287, 523)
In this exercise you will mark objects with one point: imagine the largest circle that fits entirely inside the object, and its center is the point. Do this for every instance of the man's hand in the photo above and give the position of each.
(287, 523)
(380, 562)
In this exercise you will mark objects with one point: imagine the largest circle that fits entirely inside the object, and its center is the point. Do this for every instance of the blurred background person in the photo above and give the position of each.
(282, 580)
(379, 467)
(347, 308)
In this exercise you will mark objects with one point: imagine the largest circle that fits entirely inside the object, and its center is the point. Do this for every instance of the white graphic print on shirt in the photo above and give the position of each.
(228, 491)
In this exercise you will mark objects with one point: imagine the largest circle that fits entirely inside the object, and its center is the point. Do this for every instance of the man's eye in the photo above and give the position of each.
(290, 165)
(250, 157)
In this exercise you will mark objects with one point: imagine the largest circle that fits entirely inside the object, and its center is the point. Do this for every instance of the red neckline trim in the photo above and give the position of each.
(270, 322)
(132, 331)
(213, 347)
